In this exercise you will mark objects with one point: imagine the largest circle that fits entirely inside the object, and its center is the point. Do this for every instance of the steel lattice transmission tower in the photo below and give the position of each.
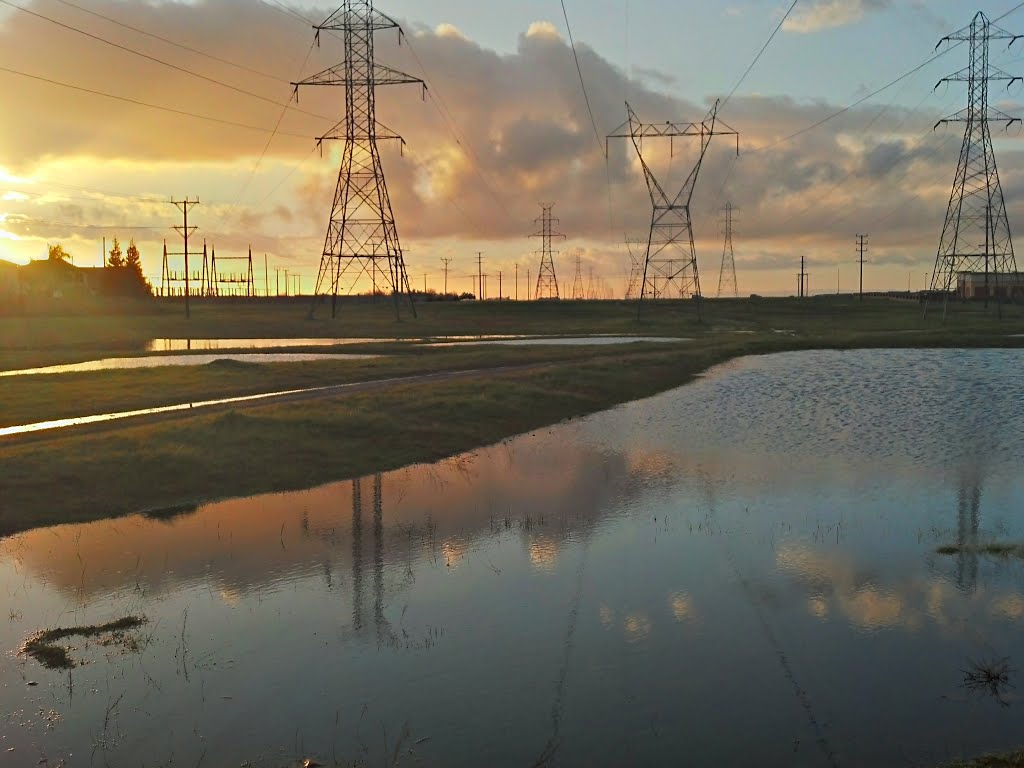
(671, 257)
(636, 267)
(362, 232)
(577, 282)
(976, 234)
(727, 274)
(547, 281)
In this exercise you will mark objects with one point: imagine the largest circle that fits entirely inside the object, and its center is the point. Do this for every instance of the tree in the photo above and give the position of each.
(57, 253)
(132, 259)
(116, 259)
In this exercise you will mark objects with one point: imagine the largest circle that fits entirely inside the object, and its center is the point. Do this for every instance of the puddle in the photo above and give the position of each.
(158, 361)
(184, 345)
(761, 568)
(577, 341)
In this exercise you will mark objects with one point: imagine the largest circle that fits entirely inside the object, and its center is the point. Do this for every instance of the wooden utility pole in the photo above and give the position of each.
(185, 230)
(446, 261)
(480, 273)
(499, 286)
(266, 276)
(862, 247)
(517, 282)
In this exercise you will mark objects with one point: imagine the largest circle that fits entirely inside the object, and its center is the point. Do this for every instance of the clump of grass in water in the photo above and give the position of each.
(992, 677)
(43, 645)
(995, 548)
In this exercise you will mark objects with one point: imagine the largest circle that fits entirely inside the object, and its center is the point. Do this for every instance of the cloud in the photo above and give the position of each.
(826, 14)
(497, 133)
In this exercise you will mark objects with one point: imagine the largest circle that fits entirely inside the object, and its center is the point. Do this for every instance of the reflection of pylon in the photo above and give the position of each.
(577, 282)
(976, 233)
(362, 229)
(727, 274)
(670, 264)
(547, 282)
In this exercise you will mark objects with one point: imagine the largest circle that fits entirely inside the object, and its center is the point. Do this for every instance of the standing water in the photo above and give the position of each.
(787, 563)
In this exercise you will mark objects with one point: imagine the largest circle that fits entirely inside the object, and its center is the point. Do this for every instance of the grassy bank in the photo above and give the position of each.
(44, 340)
(75, 477)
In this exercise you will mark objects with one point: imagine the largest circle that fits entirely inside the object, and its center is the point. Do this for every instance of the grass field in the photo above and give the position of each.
(81, 476)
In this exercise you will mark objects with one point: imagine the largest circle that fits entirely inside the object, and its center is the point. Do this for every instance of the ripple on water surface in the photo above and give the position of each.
(744, 571)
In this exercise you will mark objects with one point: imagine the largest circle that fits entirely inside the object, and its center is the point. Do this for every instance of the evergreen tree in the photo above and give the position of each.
(115, 259)
(132, 259)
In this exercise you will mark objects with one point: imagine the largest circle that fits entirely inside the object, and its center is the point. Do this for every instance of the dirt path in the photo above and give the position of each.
(117, 422)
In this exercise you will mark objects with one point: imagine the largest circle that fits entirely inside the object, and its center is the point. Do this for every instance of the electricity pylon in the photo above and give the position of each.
(976, 233)
(636, 267)
(362, 230)
(547, 281)
(727, 274)
(577, 283)
(671, 257)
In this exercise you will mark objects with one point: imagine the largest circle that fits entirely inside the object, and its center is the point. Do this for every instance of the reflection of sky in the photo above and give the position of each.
(632, 585)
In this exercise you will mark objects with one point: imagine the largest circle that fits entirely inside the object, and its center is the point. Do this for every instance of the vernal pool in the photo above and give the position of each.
(743, 571)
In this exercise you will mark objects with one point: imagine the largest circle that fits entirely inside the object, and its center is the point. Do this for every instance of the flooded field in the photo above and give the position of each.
(806, 559)
(157, 361)
(558, 341)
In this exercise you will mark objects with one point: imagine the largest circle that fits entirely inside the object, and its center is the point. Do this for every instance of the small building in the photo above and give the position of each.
(979, 285)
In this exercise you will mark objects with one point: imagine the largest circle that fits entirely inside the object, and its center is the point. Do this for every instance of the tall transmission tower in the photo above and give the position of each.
(577, 281)
(727, 274)
(671, 257)
(976, 233)
(547, 281)
(185, 206)
(362, 230)
(636, 266)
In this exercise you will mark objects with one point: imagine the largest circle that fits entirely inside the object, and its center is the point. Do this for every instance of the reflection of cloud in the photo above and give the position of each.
(229, 596)
(681, 605)
(872, 609)
(818, 607)
(607, 616)
(637, 627)
(1010, 606)
(543, 554)
(453, 551)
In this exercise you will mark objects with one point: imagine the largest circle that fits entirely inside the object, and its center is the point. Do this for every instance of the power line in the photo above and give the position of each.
(583, 86)
(759, 54)
(171, 42)
(136, 102)
(156, 60)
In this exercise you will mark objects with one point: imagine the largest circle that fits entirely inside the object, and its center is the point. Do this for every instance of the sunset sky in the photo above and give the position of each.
(505, 126)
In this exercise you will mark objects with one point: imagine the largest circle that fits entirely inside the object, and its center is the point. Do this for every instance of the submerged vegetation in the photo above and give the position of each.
(44, 647)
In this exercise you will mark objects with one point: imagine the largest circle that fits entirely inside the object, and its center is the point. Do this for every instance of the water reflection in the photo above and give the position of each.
(656, 581)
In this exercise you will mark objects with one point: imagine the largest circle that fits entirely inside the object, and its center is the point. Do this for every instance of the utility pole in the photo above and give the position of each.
(976, 229)
(480, 274)
(424, 285)
(517, 282)
(802, 282)
(104, 254)
(185, 230)
(362, 225)
(862, 247)
(671, 253)
(446, 261)
(286, 282)
(499, 286)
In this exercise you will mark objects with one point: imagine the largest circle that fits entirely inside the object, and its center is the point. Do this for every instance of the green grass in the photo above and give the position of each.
(44, 340)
